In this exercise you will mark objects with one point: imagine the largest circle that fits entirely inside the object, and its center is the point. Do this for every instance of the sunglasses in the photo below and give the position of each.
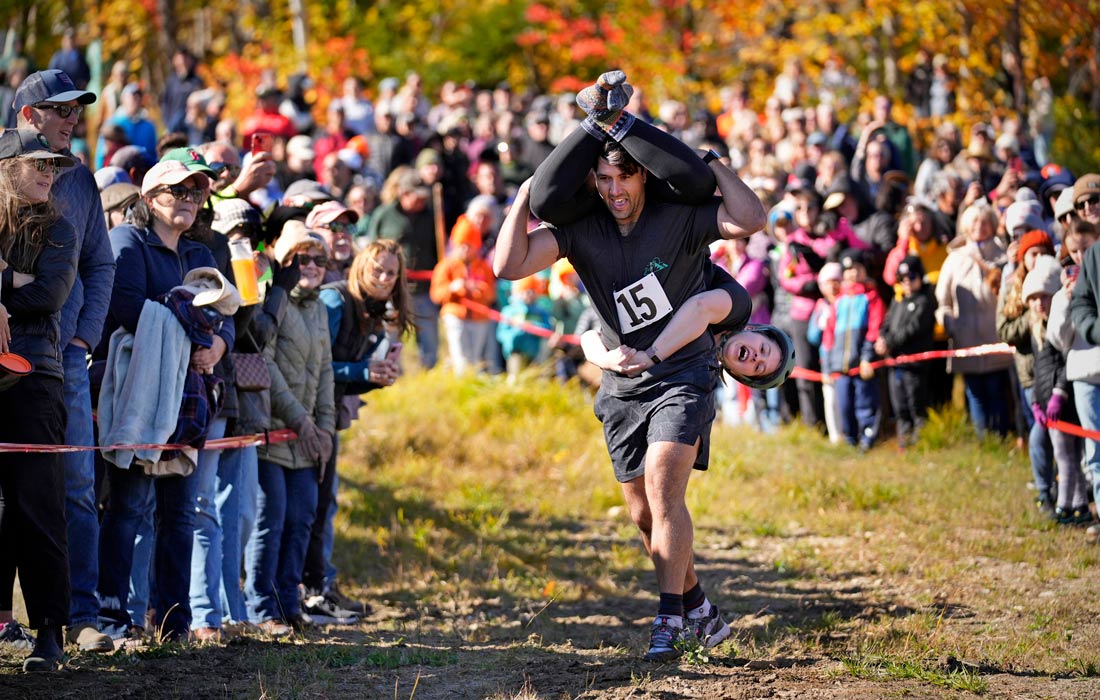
(182, 193)
(43, 165)
(218, 167)
(1088, 201)
(318, 260)
(63, 110)
(340, 227)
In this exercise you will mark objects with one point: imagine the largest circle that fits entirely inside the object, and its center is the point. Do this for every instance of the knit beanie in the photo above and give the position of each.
(1044, 278)
(1032, 239)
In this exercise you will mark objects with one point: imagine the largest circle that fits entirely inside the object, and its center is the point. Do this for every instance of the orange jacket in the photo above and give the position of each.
(480, 287)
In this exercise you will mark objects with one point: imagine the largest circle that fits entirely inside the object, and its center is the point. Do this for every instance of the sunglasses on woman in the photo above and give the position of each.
(63, 111)
(318, 260)
(182, 193)
(43, 165)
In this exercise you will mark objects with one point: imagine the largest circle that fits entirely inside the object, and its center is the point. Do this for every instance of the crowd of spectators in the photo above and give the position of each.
(371, 217)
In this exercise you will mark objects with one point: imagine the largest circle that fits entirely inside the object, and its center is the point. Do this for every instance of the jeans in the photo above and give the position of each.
(206, 551)
(858, 405)
(909, 397)
(235, 538)
(1039, 449)
(142, 576)
(285, 508)
(318, 572)
(81, 514)
(426, 317)
(1087, 398)
(174, 526)
(986, 400)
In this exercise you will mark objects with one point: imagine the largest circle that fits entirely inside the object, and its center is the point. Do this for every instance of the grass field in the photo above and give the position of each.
(481, 520)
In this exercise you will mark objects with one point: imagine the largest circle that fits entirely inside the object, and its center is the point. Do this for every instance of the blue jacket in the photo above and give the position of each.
(35, 308)
(146, 269)
(86, 308)
(853, 328)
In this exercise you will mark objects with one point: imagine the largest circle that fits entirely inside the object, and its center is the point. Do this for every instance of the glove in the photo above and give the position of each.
(605, 104)
(1054, 406)
(611, 93)
(1040, 416)
(286, 276)
(309, 437)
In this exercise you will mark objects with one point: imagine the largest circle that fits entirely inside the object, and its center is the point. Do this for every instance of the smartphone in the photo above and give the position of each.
(1016, 164)
(262, 141)
(394, 353)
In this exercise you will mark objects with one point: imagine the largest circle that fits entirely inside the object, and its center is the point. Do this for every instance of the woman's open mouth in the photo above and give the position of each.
(743, 353)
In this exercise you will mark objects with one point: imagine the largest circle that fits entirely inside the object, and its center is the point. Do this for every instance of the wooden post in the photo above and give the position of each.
(440, 233)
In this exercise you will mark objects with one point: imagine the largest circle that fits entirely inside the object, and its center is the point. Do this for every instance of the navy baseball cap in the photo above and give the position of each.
(51, 86)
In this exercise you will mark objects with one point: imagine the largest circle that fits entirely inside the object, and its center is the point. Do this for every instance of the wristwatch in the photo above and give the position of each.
(710, 155)
(653, 356)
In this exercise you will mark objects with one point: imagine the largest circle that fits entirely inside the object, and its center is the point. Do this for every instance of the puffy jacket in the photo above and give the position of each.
(300, 363)
(801, 260)
(853, 327)
(35, 308)
(1082, 359)
(967, 307)
(480, 287)
(1016, 332)
(1050, 376)
(908, 326)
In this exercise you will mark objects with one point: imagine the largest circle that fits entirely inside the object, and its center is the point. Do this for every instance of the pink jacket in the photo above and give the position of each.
(797, 266)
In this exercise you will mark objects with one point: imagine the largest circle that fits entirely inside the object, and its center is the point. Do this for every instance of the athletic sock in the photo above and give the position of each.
(671, 604)
(694, 598)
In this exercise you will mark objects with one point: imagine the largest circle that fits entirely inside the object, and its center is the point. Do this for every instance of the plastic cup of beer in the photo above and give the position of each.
(244, 271)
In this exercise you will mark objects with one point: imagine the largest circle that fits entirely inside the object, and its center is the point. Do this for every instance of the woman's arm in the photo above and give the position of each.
(688, 323)
(741, 213)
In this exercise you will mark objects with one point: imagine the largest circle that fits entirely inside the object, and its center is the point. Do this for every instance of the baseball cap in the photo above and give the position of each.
(305, 191)
(910, 267)
(301, 146)
(324, 214)
(51, 86)
(29, 143)
(1085, 186)
(191, 159)
(120, 194)
(410, 182)
(110, 175)
(168, 172)
(233, 212)
(132, 157)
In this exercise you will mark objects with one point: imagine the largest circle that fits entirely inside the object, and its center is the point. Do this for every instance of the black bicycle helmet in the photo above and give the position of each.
(786, 352)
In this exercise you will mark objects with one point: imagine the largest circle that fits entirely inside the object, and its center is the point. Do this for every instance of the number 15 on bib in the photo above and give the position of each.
(641, 304)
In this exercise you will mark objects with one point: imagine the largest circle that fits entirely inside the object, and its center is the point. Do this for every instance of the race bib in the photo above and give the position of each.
(641, 304)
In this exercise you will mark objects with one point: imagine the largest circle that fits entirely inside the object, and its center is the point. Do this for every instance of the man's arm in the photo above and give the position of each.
(741, 213)
(518, 253)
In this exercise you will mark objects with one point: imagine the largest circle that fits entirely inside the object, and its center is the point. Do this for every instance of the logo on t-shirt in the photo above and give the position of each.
(655, 265)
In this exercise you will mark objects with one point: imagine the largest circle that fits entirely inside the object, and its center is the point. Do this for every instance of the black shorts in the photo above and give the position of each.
(680, 410)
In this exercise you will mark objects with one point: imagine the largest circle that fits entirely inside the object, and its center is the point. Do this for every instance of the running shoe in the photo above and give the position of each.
(324, 610)
(16, 636)
(710, 629)
(667, 638)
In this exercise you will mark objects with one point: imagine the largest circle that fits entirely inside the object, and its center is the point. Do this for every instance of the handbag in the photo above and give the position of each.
(251, 371)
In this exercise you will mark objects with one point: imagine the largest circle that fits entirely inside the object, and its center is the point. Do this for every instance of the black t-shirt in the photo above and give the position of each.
(627, 276)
